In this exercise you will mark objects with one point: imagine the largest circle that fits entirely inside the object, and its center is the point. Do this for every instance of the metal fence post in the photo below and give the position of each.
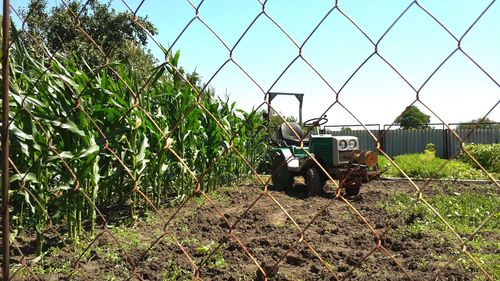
(5, 139)
(446, 144)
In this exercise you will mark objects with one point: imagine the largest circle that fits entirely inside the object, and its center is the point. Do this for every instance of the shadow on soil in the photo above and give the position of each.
(299, 191)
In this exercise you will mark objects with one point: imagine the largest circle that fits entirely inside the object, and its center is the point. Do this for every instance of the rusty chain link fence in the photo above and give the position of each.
(119, 171)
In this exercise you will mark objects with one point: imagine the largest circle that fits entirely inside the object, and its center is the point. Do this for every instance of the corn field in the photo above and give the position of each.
(94, 119)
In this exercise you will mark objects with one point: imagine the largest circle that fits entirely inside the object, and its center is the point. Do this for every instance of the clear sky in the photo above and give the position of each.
(415, 46)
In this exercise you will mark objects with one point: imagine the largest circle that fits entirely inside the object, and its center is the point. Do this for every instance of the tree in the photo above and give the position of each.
(277, 121)
(413, 118)
(346, 130)
(479, 123)
(66, 29)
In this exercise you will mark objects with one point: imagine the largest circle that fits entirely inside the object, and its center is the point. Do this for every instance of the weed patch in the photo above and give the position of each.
(427, 165)
(465, 212)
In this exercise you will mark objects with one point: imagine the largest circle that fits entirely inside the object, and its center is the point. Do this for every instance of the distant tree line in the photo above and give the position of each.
(412, 118)
(480, 123)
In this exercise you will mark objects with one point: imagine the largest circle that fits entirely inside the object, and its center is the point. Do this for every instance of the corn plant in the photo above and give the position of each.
(88, 138)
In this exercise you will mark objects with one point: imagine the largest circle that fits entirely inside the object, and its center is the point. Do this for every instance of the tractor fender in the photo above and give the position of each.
(283, 152)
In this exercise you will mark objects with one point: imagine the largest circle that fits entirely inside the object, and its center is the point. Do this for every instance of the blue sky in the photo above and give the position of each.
(416, 45)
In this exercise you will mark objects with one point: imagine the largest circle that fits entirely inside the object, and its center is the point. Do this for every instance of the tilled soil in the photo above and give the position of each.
(339, 240)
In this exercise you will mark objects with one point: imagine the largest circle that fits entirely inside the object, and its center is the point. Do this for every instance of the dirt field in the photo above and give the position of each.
(338, 236)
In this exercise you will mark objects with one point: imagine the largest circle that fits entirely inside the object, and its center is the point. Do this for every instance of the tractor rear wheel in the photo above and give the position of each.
(282, 178)
(314, 182)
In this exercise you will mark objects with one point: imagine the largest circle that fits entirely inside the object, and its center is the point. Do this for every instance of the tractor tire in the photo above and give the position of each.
(314, 182)
(282, 178)
(352, 191)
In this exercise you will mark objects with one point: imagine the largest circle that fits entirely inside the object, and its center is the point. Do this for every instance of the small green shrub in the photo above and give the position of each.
(217, 260)
(420, 165)
(460, 170)
(386, 167)
(488, 155)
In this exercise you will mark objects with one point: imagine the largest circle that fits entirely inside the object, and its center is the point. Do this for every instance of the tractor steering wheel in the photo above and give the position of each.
(313, 122)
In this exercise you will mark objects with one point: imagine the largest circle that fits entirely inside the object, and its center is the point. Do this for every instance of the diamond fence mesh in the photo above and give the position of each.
(112, 165)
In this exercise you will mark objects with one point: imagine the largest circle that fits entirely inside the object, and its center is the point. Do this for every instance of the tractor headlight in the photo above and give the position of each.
(352, 144)
(342, 144)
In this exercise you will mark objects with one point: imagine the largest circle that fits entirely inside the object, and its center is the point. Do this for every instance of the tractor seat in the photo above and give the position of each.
(289, 136)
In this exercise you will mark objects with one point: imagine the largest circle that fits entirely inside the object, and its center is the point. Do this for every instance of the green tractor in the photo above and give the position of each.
(315, 155)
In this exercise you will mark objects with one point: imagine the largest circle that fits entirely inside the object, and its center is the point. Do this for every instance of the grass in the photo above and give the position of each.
(465, 212)
(129, 238)
(45, 267)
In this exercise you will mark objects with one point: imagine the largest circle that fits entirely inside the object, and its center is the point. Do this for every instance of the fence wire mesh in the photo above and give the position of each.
(102, 148)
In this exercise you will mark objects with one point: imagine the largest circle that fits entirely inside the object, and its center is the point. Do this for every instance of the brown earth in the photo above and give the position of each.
(339, 236)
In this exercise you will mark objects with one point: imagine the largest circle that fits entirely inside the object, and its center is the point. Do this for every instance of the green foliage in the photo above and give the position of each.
(346, 130)
(413, 118)
(80, 141)
(459, 170)
(174, 272)
(465, 212)
(425, 165)
(276, 120)
(386, 166)
(413, 213)
(415, 165)
(217, 259)
(488, 155)
(479, 123)
(99, 33)
(468, 210)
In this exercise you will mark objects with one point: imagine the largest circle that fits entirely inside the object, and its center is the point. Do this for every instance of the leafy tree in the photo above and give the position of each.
(479, 123)
(346, 129)
(277, 121)
(89, 33)
(413, 118)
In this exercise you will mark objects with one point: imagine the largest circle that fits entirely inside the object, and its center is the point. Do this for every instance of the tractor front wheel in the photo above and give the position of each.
(314, 182)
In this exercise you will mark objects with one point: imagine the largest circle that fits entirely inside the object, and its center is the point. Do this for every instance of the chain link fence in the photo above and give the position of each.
(120, 171)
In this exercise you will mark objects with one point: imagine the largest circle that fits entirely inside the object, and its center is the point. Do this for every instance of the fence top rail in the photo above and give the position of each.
(496, 125)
